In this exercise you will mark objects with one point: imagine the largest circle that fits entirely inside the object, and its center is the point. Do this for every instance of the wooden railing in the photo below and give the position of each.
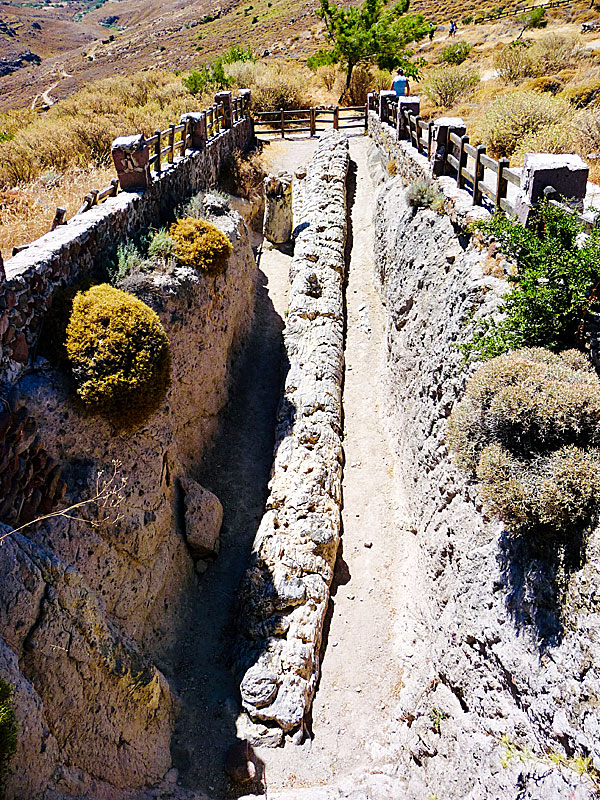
(165, 146)
(310, 120)
(486, 178)
(522, 10)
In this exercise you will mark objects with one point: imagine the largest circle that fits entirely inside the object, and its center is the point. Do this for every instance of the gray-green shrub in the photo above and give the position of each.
(445, 85)
(528, 428)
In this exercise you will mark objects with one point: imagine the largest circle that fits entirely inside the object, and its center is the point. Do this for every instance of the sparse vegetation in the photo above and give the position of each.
(200, 244)
(556, 283)
(527, 428)
(514, 116)
(424, 194)
(161, 245)
(8, 732)
(119, 354)
(79, 131)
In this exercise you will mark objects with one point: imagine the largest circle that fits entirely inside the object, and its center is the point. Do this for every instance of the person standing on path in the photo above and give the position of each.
(400, 84)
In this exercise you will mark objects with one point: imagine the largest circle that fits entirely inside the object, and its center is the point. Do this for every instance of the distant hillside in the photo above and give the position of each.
(84, 40)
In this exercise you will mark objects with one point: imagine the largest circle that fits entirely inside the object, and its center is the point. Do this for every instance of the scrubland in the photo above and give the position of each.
(518, 90)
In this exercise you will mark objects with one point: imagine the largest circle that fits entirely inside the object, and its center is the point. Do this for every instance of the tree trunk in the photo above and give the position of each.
(349, 74)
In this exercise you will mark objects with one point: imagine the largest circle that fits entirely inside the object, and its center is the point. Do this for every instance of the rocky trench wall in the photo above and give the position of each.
(285, 592)
(501, 675)
(91, 608)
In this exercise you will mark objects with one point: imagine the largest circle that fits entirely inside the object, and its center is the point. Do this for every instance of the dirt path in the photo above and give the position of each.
(359, 669)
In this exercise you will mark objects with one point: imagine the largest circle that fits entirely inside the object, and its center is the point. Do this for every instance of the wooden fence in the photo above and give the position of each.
(487, 179)
(166, 146)
(310, 120)
(522, 10)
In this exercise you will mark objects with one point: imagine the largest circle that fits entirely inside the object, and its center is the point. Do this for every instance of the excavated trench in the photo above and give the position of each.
(357, 661)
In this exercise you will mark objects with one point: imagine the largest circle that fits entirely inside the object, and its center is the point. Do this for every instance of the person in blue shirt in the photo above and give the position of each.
(400, 84)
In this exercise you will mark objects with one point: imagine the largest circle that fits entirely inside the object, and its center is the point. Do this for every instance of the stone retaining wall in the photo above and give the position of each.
(285, 592)
(64, 256)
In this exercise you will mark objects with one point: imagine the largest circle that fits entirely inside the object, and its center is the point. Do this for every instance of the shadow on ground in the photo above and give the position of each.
(537, 573)
(237, 471)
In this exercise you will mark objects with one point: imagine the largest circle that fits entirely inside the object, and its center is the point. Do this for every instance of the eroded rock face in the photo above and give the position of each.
(278, 208)
(90, 605)
(285, 592)
(92, 700)
(504, 636)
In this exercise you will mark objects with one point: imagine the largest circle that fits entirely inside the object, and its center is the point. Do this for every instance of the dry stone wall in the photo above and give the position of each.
(285, 592)
(61, 258)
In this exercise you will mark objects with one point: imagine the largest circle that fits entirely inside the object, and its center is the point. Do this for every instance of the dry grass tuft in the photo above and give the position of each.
(26, 212)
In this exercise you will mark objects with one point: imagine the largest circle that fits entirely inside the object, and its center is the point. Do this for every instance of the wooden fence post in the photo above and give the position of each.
(157, 149)
(282, 123)
(313, 121)
(336, 118)
(462, 161)
(429, 139)
(501, 183)
(478, 174)
(171, 152)
(418, 133)
(59, 218)
(366, 116)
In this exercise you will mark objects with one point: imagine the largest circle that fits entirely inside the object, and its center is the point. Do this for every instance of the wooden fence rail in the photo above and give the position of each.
(164, 145)
(521, 10)
(486, 178)
(310, 120)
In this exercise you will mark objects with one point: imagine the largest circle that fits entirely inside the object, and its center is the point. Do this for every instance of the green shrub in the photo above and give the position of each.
(200, 244)
(467, 20)
(456, 53)
(516, 115)
(119, 354)
(535, 19)
(424, 194)
(208, 77)
(552, 288)
(161, 245)
(237, 54)
(321, 58)
(8, 732)
(445, 85)
(528, 429)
